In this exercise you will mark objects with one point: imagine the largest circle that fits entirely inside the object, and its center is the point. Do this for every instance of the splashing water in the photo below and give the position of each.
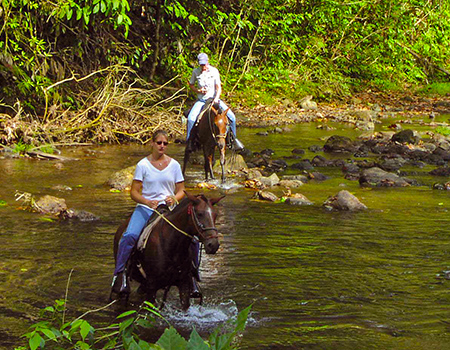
(204, 318)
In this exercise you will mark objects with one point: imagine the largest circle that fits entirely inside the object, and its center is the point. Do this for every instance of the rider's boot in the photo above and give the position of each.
(237, 145)
(195, 289)
(233, 143)
(120, 284)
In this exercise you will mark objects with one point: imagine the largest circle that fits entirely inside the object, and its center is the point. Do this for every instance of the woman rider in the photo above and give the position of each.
(157, 180)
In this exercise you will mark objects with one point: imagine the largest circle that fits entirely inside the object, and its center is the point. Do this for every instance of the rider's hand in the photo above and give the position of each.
(202, 90)
(169, 201)
(152, 204)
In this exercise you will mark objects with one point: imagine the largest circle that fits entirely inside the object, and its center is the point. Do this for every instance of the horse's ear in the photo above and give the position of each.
(216, 200)
(191, 197)
(226, 111)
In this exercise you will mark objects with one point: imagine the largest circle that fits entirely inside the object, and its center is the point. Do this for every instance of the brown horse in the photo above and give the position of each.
(209, 132)
(166, 259)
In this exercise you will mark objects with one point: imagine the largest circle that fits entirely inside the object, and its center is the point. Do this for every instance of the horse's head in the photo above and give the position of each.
(203, 217)
(221, 122)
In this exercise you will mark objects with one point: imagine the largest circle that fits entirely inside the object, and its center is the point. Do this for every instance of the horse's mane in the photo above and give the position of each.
(184, 203)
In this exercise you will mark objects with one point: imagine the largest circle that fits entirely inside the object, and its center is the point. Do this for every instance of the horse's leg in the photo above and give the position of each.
(222, 161)
(212, 162)
(209, 159)
(184, 290)
(187, 154)
(151, 296)
(163, 302)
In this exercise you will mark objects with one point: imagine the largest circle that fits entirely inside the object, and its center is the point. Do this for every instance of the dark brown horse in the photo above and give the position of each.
(209, 132)
(167, 257)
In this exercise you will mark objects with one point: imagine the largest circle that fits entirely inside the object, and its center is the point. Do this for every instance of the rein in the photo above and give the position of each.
(198, 225)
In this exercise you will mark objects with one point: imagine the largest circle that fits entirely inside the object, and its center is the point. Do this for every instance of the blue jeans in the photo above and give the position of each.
(138, 220)
(195, 111)
(131, 235)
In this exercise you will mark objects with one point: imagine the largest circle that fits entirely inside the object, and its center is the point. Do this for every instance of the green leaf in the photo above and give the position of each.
(103, 7)
(50, 309)
(125, 324)
(86, 17)
(3, 203)
(46, 219)
(85, 328)
(82, 345)
(242, 319)
(145, 346)
(35, 341)
(50, 335)
(171, 340)
(144, 323)
(127, 313)
(196, 342)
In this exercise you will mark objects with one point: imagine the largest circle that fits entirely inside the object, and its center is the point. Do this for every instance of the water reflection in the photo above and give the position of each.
(318, 280)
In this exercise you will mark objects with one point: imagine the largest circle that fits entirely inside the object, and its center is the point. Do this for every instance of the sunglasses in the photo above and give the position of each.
(165, 143)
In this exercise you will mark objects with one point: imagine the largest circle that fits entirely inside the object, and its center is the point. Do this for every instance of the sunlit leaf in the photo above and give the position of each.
(127, 313)
(85, 328)
(171, 340)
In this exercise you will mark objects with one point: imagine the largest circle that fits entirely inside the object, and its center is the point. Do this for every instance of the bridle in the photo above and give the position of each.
(200, 228)
(211, 127)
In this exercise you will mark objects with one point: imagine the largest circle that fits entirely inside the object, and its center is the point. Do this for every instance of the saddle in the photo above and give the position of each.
(154, 219)
(193, 141)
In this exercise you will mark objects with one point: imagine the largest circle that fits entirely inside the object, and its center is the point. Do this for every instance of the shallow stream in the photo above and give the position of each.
(316, 279)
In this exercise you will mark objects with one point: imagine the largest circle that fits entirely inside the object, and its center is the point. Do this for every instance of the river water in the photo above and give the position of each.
(316, 279)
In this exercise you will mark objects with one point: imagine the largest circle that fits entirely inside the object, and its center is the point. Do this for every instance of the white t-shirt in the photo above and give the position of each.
(158, 184)
(207, 79)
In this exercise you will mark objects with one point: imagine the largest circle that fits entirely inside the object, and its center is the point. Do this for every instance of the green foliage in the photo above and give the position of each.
(443, 130)
(21, 147)
(436, 89)
(285, 48)
(46, 149)
(55, 332)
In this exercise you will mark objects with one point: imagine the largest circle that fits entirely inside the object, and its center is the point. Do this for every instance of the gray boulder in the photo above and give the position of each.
(122, 179)
(344, 200)
(376, 177)
(51, 205)
(265, 196)
(270, 181)
(298, 199)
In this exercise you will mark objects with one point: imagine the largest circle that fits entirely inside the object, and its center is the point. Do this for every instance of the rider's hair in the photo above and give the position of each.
(159, 132)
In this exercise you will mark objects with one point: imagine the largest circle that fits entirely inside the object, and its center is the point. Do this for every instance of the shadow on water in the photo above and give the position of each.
(317, 279)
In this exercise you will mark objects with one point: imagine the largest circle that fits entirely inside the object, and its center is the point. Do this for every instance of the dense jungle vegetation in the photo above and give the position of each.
(110, 70)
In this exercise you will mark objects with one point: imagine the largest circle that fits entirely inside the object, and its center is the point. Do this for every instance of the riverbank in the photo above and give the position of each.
(361, 107)
(114, 125)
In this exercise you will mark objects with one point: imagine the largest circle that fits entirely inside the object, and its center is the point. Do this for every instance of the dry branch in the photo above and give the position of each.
(124, 108)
